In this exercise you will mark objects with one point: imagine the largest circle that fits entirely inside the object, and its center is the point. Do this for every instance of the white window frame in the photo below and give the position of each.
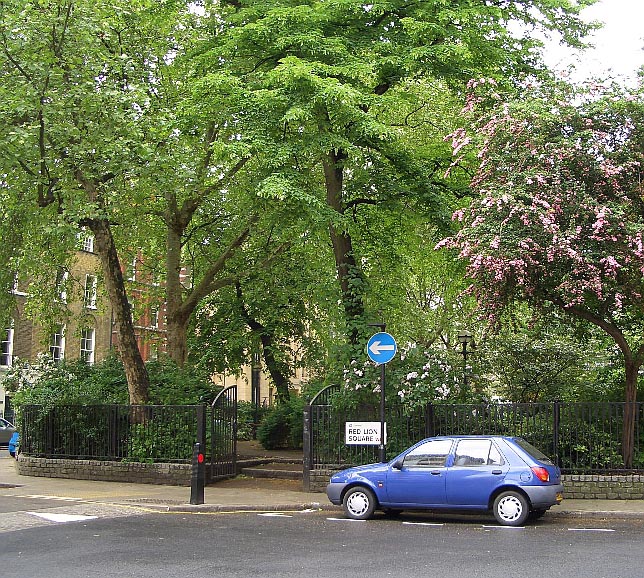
(6, 349)
(61, 282)
(89, 295)
(87, 345)
(154, 317)
(57, 344)
(86, 241)
(131, 275)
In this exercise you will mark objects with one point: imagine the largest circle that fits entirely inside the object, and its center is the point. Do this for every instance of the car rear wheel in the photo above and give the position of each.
(359, 503)
(511, 509)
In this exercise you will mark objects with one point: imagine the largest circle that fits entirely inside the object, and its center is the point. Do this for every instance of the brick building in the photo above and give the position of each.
(86, 333)
(89, 332)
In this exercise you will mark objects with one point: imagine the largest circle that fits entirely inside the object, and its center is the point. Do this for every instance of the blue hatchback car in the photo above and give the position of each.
(506, 476)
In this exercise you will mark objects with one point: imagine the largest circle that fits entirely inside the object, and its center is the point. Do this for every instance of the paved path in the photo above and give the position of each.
(236, 494)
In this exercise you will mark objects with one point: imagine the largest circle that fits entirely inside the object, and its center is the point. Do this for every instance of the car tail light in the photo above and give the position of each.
(541, 473)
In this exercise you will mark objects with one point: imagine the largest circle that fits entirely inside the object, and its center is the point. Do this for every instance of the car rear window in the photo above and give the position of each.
(534, 452)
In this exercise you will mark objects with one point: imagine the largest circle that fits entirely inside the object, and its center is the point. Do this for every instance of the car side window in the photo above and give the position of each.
(477, 452)
(431, 454)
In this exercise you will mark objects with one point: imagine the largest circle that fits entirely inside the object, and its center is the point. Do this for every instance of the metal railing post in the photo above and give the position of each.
(556, 425)
(197, 479)
(306, 445)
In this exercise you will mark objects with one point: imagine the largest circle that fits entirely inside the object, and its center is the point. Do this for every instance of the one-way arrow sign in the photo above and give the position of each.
(381, 347)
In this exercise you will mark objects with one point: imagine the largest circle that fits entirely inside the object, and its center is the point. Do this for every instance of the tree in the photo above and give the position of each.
(75, 80)
(537, 359)
(338, 82)
(279, 314)
(103, 127)
(559, 218)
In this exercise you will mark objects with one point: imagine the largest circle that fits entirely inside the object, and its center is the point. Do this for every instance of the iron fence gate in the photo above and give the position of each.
(222, 436)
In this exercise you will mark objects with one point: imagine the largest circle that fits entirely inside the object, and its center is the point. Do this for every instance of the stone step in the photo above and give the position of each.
(282, 470)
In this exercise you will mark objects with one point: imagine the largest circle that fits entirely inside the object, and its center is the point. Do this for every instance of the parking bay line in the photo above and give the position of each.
(590, 530)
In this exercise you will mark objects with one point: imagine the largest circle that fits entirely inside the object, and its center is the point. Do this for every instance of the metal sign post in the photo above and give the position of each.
(381, 349)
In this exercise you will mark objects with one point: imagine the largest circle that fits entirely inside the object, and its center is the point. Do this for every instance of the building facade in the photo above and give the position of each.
(86, 333)
(89, 332)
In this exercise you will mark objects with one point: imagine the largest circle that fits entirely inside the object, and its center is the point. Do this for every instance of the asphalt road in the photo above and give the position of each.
(91, 540)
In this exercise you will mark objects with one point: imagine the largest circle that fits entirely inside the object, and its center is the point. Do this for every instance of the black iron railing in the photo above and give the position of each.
(581, 437)
(138, 433)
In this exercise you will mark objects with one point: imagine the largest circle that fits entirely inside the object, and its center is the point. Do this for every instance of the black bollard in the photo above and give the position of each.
(197, 481)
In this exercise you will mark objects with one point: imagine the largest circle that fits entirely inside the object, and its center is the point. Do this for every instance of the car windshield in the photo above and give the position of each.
(534, 452)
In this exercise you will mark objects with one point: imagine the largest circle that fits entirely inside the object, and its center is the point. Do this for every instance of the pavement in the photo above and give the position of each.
(238, 494)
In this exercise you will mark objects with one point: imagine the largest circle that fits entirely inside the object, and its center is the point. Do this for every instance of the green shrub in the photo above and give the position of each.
(249, 416)
(282, 425)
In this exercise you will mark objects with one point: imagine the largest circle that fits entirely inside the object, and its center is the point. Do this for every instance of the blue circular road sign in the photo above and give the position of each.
(381, 347)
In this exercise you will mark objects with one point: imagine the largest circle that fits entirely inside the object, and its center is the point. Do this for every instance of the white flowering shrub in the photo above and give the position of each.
(414, 378)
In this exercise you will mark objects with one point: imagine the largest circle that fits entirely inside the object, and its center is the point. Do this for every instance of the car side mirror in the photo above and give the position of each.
(397, 465)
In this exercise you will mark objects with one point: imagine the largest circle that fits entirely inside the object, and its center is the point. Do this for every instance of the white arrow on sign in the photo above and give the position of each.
(376, 348)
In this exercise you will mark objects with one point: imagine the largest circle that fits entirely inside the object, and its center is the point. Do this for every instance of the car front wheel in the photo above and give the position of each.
(359, 503)
(511, 509)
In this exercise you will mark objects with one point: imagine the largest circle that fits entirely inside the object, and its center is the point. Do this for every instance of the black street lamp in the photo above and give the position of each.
(465, 337)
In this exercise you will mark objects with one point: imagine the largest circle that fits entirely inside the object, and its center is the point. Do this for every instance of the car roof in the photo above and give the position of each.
(471, 436)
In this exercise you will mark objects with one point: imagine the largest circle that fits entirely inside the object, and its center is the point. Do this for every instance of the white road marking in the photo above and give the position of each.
(62, 518)
(274, 515)
(590, 530)
(344, 520)
(39, 497)
(422, 524)
(504, 527)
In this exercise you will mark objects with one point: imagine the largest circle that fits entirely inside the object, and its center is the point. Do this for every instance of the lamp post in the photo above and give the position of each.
(465, 337)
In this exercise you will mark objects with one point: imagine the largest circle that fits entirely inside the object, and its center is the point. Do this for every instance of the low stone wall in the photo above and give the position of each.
(162, 474)
(576, 487)
(595, 487)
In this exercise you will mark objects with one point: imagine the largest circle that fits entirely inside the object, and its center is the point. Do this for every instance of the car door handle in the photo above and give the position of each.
(497, 472)
(435, 472)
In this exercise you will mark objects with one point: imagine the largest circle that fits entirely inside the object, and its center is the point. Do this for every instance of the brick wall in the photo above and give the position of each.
(163, 474)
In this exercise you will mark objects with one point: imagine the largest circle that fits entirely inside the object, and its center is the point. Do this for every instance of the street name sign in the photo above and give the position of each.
(365, 433)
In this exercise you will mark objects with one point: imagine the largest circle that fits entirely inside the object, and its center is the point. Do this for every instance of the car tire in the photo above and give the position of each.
(511, 509)
(359, 503)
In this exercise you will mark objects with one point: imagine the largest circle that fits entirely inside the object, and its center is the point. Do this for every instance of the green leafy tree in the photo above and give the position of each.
(104, 128)
(336, 83)
(76, 80)
(538, 360)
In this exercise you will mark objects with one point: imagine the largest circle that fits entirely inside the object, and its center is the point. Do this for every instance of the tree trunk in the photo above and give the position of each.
(349, 275)
(177, 338)
(135, 371)
(177, 322)
(266, 337)
(181, 301)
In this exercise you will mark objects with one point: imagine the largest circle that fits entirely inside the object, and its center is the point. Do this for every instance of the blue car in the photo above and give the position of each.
(506, 476)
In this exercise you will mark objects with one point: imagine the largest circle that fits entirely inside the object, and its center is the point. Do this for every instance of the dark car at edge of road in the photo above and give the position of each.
(6, 431)
(506, 476)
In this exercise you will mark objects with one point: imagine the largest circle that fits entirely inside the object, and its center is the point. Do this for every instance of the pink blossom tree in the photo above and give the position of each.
(558, 213)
